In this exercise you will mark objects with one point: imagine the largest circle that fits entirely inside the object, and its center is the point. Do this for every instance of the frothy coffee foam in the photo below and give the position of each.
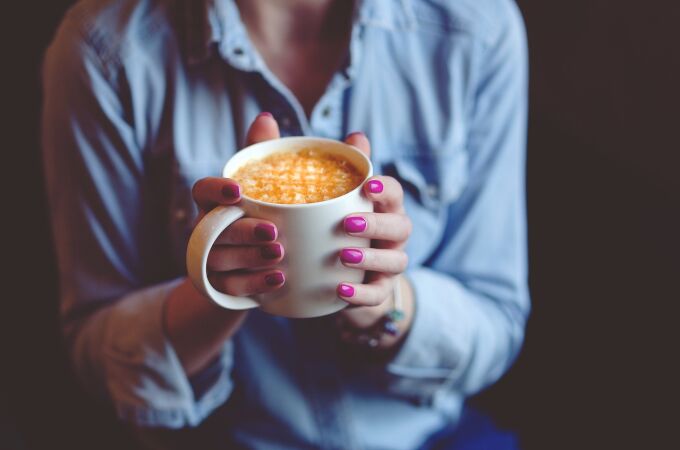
(305, 176)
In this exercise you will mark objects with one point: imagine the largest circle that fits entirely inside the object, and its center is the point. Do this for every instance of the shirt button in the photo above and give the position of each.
(326, 111)
(432, 190)
(238, 51)
(285, 121)
(180, 214)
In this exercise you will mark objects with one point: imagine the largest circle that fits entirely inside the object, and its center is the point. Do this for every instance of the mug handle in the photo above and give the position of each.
(201, 241)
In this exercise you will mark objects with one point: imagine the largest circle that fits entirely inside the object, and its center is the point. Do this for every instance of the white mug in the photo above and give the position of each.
(311, 233)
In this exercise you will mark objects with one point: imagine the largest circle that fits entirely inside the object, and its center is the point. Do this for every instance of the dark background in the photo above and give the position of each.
(604, 216)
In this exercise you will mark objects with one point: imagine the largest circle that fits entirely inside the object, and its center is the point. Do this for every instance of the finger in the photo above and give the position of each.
(360, 141)
(248, 232)
(384, 226)
(372, 294)
(263, 128)
(378, 260)
(223, 258)
(386, 193)
(361, 317)
(247, 283)
(212, 191)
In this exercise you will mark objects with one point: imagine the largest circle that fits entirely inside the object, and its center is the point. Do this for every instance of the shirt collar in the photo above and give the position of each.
(215, 24)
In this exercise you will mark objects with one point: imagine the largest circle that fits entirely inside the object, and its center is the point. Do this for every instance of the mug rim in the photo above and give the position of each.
(369, 172)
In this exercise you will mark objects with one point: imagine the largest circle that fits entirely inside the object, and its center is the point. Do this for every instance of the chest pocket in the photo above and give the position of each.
(436, 179)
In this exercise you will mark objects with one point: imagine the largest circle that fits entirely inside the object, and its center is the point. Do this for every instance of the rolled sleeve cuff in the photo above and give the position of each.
(143, 375)
(439, 339)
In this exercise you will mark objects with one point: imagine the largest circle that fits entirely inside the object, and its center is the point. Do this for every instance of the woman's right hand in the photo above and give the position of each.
(241, 261)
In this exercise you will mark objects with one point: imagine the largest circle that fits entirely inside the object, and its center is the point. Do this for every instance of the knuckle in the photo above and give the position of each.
(385, 287)
(386, 292)
(404, 261)
(236, 233)
(388, 179)
(409, 225)
(241, 232)
(228, 287)
(398, 262)
(196, 190)
(256, 284)
(394, 185)
(214, 259)
(370, 258)
(223, 284)
(250, 285)
(397, 188)
(381, 222)
(375, 298)
(253, 257)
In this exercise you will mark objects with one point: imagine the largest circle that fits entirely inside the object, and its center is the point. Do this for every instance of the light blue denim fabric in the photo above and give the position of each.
(144, 97)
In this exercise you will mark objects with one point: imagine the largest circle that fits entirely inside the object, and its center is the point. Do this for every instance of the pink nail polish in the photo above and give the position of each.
(265, 232)
(375, 186)
(274, 279)
(351, 255)
(355, 224)
(272, 251)
(265, 114)
(231, 191)
(345, 290)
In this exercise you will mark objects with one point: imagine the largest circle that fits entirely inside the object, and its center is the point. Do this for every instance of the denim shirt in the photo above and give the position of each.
(144, 97)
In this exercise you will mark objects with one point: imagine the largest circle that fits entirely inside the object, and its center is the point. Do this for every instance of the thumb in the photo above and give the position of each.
(360, 141)
(263, 128)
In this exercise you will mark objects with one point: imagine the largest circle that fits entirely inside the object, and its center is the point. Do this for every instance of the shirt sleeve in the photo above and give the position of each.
(109, 244)
(472, 297)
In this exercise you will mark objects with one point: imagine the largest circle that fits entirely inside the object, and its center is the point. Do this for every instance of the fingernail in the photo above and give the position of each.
(231, 191)
(271, 251)
(265, 114)
(355, 224)
(274, 279)
(345, 290)
(351, 255)
(375, 186)
(356, 133)
(265, 232)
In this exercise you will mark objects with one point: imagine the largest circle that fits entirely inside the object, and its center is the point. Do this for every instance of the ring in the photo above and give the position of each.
(387, 324)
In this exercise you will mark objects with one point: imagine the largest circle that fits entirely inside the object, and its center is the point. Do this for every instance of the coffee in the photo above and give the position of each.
(294, 177)
(311, 233)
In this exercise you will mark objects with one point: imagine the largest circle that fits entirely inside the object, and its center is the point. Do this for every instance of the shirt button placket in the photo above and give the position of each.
(288, 125)
(326, 122)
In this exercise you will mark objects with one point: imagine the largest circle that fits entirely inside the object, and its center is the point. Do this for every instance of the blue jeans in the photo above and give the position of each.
(475, 431)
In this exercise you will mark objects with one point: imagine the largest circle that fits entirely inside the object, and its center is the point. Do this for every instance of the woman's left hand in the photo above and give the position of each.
(388, 228)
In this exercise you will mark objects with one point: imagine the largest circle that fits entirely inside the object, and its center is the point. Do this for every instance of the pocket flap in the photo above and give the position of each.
(437, 178)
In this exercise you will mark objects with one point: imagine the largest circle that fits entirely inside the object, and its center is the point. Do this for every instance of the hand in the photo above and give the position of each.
(388, 228)
(241, 261)
(198, 328)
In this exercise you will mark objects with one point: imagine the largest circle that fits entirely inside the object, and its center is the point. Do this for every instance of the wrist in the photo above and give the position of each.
(196, 327)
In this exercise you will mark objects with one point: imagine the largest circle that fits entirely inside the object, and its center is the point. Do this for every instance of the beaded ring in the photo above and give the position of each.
(387, 324)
